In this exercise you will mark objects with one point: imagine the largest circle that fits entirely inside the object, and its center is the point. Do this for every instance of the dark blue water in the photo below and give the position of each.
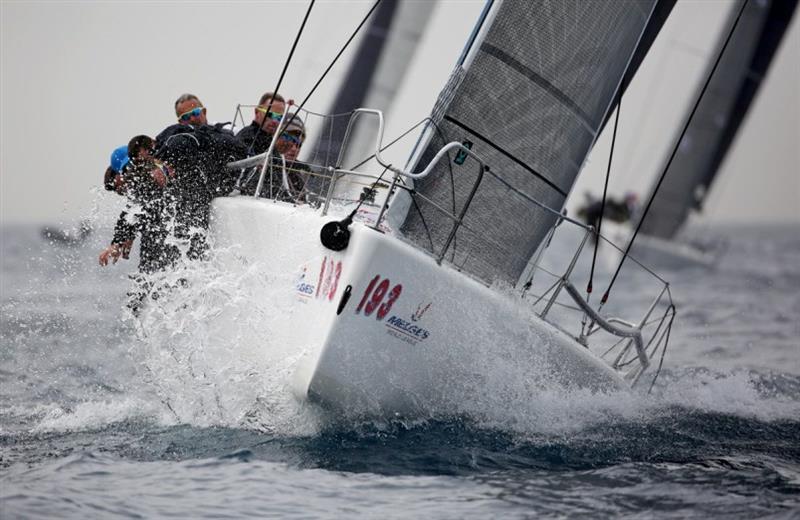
(87, 431)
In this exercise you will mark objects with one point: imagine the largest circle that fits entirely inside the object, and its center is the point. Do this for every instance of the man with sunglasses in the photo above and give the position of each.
(286, 177)
(294, 173)
(190, 112)
(257, 136)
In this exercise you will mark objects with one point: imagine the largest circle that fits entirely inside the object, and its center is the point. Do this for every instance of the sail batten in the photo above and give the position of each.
(530, 99)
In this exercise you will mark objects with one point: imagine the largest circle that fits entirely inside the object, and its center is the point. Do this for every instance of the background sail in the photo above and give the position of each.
(530, 98)
(374, 75)
(722, 110)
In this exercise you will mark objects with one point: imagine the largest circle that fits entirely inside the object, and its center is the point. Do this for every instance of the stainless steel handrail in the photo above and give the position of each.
(620, 330)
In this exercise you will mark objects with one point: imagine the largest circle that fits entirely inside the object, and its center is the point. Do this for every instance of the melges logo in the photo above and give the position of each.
(410, 332)
(301, 286)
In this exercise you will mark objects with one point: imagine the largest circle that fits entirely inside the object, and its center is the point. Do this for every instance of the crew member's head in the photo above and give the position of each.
(272, 113)
(141, 148)
(113, 179)
(190, 111)
(291, 139)
(147, 174)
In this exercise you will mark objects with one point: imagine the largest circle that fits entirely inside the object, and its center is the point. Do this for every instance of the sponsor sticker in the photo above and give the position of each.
(302, 287)
(379, 297)
(406, 330)
(329, 274)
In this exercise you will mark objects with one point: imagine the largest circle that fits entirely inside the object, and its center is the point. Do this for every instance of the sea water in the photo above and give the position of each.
(102, 416)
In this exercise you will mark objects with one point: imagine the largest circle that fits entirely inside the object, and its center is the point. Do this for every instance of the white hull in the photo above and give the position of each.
(435, 340)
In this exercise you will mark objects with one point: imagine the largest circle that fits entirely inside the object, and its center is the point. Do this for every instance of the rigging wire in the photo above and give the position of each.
(602, 210)
(283, 73)
(674, 152)
(605, 194)
(365, 161)
(335, 59)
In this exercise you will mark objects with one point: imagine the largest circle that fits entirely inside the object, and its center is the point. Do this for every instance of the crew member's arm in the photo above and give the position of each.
(124, 235)
(114, 251)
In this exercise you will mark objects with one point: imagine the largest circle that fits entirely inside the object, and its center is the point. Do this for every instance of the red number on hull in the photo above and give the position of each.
(374, 295)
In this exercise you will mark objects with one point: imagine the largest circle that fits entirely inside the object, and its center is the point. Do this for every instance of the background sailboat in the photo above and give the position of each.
(720, 115)
(374, 74)
(709, 138)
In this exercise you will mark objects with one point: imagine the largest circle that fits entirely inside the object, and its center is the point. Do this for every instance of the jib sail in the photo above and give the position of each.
(530, 95)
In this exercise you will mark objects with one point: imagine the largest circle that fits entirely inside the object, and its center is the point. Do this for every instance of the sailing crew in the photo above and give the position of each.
(625, 210)
(148, 211)
(294, 173)
(286, 177)
(190, 112)
(266, 117)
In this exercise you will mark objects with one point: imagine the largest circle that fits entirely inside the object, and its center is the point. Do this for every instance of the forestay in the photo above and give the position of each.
(529, 97)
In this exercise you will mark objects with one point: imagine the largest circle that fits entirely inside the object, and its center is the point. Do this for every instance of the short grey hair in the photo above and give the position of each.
(184, 98)
(274, 96)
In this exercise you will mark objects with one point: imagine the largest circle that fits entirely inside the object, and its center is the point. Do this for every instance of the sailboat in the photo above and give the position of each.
(708, 139)
(413, 308)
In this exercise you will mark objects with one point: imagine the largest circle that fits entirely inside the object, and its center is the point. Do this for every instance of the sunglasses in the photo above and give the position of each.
(272, 115)
(292, 139)
(195, 112)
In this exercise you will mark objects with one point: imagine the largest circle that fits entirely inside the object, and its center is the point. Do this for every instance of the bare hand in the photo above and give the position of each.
(112, 252)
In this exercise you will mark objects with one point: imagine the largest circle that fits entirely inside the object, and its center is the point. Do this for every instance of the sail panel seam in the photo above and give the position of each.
(551, 89)
(507, 154)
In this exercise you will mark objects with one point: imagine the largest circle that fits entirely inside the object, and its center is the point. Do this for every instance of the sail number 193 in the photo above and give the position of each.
(378, 291)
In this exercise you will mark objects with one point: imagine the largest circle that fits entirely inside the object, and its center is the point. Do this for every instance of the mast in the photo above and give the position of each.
(720, 114)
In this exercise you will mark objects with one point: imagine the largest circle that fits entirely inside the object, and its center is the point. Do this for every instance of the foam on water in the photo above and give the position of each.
(195, 362)
(197, 365)
(98, 414)
(172, 423)
(196, 350)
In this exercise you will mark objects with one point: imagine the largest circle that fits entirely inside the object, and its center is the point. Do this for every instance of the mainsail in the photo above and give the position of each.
(530, 95)
(719, 115)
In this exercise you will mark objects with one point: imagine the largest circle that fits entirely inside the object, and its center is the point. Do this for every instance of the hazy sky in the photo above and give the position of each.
(81, 78)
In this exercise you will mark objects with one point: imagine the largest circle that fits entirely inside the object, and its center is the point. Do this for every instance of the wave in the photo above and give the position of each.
(209, 351)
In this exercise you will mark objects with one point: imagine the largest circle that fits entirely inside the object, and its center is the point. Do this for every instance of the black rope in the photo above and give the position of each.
(347, 43)
(360, 202)
(674, 151)
(605, 194)
(280, 80)
(412, 192)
